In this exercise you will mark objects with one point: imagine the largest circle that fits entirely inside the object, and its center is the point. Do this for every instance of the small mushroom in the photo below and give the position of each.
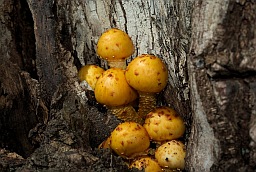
(90, 73)
(148, 75)
(129, 139)
(115, 46)
(171, 155)
(164, 124)
(113, 91)
(146, 163)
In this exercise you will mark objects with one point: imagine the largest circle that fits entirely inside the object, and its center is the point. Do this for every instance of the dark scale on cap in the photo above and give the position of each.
(137, 127)
(119, 129)
(152, 57)
(166, 159)
(136, 73)
(169, 116)
(110, 75)
(156, 123)
(161, 112)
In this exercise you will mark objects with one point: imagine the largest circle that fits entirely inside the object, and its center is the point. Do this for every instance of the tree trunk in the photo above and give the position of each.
(48, 118)
(222, 65)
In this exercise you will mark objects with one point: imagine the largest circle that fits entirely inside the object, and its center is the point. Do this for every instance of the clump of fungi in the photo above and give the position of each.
(118, 88)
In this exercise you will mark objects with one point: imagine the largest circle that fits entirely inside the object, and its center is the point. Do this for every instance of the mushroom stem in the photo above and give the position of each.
(126, 113)
(117, 64)
(147, 103)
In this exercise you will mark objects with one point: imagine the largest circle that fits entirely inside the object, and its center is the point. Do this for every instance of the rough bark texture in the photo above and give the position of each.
(222, 70)
(49, 119)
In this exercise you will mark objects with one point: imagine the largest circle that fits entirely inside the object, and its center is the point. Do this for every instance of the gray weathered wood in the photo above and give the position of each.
(222, 78)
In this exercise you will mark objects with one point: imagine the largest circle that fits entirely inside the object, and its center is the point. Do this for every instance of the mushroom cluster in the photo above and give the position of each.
(119, 87)
(163, 128)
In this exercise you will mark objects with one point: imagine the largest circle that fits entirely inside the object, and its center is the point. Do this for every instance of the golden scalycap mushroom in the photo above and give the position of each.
(129, 139)
(112, 89)
(146, 163)
(171, 155)
(164, 124)
(90, 73)
(114, 45)
(147, 73)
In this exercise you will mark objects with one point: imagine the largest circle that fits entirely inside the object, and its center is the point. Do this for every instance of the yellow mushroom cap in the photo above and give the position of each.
(147, 73)
(164, 124)
(90, 74)
(112, 88)
(129, 139)
(146, 163)
(171, 155)
(115, 45)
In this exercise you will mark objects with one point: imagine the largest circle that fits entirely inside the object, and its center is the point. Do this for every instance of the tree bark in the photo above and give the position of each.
(222, 67)
(208, 47)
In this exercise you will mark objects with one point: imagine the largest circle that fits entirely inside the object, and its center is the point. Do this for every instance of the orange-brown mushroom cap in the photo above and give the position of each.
(129, 139)
(163, 124)
(112, 88)
(115, 45)
(147, 73)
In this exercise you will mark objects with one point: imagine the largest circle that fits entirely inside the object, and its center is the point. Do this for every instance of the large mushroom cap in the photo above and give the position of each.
(115, 45)
(129, 139)
(163, 124)
(112, 88)
(147, 73)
